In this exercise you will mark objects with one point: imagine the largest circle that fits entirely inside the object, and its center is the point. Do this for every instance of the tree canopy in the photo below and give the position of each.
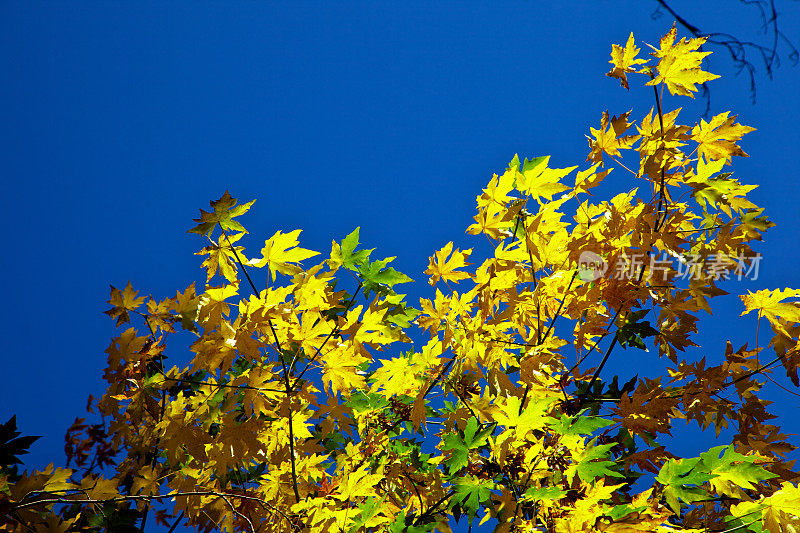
(303, 406)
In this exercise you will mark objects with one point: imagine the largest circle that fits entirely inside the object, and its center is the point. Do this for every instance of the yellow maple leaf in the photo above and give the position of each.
(542, 182)
(280, 252)
(717, 139)
(212, 305)
(586, 179)
(492, 205)
(623, 59)
(679, 64)
(222, 256)
(99, 488)
(146, 481)
(357, 484)
(58, 479)
(123, 301)
(777, 512)
(311, 332)
(396, 376)
(439, 267)
(770, 304)
(532, 417)
(609, 139)
(340, 371)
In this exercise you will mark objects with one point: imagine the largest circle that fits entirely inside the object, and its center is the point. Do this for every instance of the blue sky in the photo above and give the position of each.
(120, 121)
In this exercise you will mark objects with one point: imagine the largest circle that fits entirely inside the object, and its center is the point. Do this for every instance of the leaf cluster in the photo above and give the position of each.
(303, 405)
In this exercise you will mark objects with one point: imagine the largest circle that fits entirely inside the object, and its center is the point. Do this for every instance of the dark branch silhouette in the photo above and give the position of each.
(738, 49)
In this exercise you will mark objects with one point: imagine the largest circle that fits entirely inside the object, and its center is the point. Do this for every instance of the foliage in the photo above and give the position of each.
(302, 407)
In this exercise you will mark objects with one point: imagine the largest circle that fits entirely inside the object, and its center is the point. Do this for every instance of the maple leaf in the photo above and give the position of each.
(439, 267)
(146, 481)
(732, 468)
(539, 181)
(681, 479)
(460, 443)
(280, 252)
(341, 372)
(11, 444)
(377, 276)
(679, 64)
(592, 462)
(370, 509)
(394, 376)
(58, 479)
(770, 304)
(123, 301)
(223, 214)
(778, 512)
(471, 491)
(212, 306)
(357, 484)
(609, 139)
(623, 59)
(586, 179)
(532, 417)
(717, 139)
(345, 254)
(186, 305)
(586, 510)
(99, 488)
(223, 257)
(578, 425)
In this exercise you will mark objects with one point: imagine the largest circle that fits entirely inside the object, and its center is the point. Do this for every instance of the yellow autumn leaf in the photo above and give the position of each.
(623, 59)
(123, 301)
(340, 372)
(440, 267)
(679, 64)
(543, 182)
(281, 253)
(58, 480)
(610, 138)
(778, 512)
(586, 179)
(770, 304)
(223, 256)
(717, 139)
(99, 488)
(145, 481)
(357, 484)
(395, 376)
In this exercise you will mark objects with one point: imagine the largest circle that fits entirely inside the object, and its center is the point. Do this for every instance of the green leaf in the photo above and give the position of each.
(620, 511)
(594, 462)
(545, 493)
(344, 254)
(577, 425)
(470, 492)
(368, 509)
(223, 214)
(680, 478)
(682, 471)
(377, 273)
(360, 402)
(461, 445)
(733, 467)
(531, 164)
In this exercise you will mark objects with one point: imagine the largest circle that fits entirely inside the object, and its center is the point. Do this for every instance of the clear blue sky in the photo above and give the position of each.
(120, 120)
